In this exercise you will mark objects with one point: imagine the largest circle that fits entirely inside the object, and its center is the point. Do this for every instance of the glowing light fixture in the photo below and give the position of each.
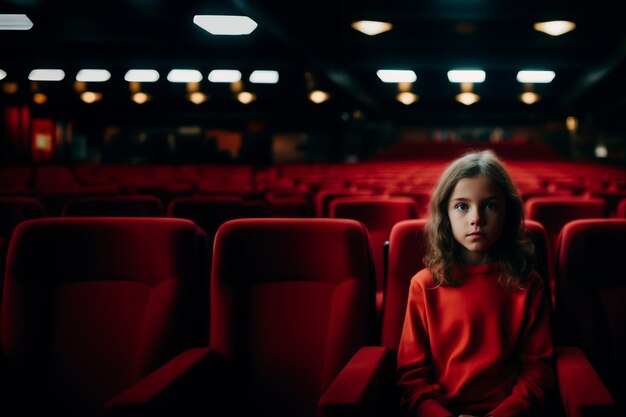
(225, 25)
(40, 98)
(90, 97)
(468, 98)
(529, 97)
(93, 75)
(555, 27)
(10, 88)
(407, 98)
(197, 97)
(601, 151)
(466, 76)
(246, 97)
(141, 98)
(15, 22)
(142, 75)
(46, 75)
(224, 76)
(396, 76)
(535, 76)
(184, 76)
(371, 27)
(318, 96)
(571, 123)
(3, 74)
(264, 77)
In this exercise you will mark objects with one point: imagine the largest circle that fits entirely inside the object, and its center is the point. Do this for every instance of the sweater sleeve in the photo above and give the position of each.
(420, 394)
(536, 377)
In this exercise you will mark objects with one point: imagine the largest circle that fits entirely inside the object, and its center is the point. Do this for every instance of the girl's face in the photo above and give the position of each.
(476, 210)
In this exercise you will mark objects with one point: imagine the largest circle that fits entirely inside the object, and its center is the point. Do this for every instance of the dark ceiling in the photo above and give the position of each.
(315, 37)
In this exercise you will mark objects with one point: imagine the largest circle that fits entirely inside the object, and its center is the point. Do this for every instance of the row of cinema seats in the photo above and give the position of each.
(377, 213)
(109, 315)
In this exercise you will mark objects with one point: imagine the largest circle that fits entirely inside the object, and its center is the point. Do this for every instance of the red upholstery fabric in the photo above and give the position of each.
(554, 211)
(291, 303)
(114, 206)
(544, 258)
(378, 214)
(621, 209)
(323, 198)
(591, 295)
(92, 305)
(13, 211)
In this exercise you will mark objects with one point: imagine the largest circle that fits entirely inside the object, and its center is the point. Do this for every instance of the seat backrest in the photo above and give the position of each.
(288, 206)
(554, 211)
(590, 295)
(291, 301)
(322, 198)
(621, 209)
(544, 257)
(407, 247)
(379, 214)
(114, 206)
(92, 305)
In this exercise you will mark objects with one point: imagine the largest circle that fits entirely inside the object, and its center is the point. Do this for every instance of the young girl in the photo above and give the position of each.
(476, 338)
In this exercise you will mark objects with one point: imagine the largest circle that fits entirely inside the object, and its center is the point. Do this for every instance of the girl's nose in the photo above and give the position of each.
(476, 218)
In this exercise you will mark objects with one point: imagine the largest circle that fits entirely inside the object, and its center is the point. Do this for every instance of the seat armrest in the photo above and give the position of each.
(162, 388)
(582, 391)
(359, 385)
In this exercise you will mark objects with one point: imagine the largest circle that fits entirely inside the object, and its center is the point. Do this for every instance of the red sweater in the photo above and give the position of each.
(478, 348)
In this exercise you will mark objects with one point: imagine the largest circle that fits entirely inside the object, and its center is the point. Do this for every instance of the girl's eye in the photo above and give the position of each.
(461, 207)
(491, 206)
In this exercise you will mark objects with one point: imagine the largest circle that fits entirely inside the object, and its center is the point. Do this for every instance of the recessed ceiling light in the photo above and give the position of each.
(224, 76)
(264, 77)
(3, 74)
(318, 96)
(141, 75)
(466, 76)
(15, 22)
(555, 27)
(184, 76)
(46, 75)
(407, 97)
(541, 77)
(371, 27)
(245, 97)
(529, 97)
(197, 97)
(396, 76)
(93, 75)
(90, 97)
(468, 98)
(225, 25)
(141, 97)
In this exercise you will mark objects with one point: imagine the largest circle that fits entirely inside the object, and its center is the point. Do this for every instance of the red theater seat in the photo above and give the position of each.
(591, 296)
(378, 214)
(323, 198)
(91, 306)
(292, 308)
(581, 389)
(554, 211)
(13, 211)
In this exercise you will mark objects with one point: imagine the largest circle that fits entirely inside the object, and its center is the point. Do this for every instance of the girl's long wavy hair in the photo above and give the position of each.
(513, 251)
